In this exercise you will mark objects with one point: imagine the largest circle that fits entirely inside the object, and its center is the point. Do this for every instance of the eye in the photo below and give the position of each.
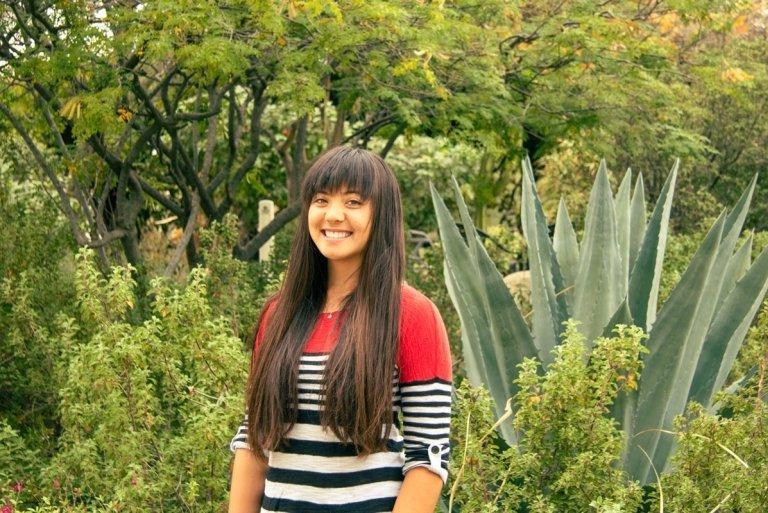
(319, 200)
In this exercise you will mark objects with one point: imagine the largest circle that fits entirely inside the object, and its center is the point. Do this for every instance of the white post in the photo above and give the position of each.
(266, 215)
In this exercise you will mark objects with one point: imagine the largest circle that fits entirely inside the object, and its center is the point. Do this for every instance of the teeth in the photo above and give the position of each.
(336, 235)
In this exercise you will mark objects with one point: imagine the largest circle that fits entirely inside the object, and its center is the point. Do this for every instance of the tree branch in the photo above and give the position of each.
(64, 204)
(251, 248)
(185, 238)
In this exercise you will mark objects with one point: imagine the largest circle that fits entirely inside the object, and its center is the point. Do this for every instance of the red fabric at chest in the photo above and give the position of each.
(324, 336)
(423, 352)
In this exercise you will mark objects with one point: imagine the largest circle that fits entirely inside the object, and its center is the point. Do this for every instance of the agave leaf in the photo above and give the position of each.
(706, 311)
(732, 228)
(549, 308)
(623, 220)
(495, 338)
(567, 251)
(505, 320)
(646, 273)
(712, 291)
(599, 288)
(736, 218)
(636, 221)
(473, 361)
(728, 330)
(735, 269)
(666, 376)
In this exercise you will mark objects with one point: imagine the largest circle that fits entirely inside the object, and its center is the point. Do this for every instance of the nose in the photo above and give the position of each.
(334, 213)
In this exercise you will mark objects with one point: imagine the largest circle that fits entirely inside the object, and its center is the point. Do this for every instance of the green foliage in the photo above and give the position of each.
(721, 462)
(34, 247)
(16, 459)
(146, 410)
(237, 289)
(566, 461)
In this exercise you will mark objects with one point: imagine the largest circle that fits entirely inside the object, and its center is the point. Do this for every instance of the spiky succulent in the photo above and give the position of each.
(611, 277)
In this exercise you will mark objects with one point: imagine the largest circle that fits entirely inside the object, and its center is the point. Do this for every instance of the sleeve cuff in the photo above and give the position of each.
(234, 445)
(438, 456)
(440, 471)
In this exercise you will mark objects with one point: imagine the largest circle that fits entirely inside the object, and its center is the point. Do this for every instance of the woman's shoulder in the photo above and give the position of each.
(414, 303)
(424, 352)
(418, 314)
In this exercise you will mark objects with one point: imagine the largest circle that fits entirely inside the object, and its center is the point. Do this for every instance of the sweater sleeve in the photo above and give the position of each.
(425, 387)
(240, 440)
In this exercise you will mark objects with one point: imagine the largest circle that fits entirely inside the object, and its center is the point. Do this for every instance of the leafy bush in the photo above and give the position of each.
(567, 460)
(146, 410)
(35, 248)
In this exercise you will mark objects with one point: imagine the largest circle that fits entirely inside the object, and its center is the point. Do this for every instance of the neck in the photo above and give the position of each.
(342, 280)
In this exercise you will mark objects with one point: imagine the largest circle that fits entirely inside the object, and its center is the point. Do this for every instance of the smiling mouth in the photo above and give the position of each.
(335, 234)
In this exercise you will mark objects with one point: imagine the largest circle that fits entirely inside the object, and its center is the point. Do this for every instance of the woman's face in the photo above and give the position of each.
(340, 225)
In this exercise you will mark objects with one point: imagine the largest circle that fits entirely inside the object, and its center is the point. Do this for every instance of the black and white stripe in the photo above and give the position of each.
(315, 471)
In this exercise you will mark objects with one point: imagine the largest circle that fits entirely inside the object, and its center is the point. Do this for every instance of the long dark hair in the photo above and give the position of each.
(357, 385)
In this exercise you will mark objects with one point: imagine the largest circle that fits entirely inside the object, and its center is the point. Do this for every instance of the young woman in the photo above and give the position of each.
(349, 393)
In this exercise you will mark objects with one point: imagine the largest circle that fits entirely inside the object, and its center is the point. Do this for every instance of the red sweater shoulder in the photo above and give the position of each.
(424, 353)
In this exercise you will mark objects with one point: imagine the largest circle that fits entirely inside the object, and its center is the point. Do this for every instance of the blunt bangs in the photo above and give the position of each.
(344, 169)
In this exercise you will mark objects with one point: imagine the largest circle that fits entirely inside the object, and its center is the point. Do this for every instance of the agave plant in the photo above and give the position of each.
(611, 277)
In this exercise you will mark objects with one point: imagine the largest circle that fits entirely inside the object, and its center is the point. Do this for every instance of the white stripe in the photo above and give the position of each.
(415, 410)
(313, 357)
(328, 496)
(426, 387)
(428, 431)
(313, 432)
(326, 464)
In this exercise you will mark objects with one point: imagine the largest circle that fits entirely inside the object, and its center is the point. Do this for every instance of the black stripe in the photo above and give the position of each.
(443, 463)
(329, 449)
(427, 382)
(291, 506)
(422, 454)
(334, 479)
(427, 415)
(425, 425)
(420, 393)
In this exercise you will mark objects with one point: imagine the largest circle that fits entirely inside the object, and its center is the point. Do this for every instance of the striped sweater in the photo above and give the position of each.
(317, 472)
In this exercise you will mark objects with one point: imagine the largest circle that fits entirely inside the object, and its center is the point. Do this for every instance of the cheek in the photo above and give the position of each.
(313, 217)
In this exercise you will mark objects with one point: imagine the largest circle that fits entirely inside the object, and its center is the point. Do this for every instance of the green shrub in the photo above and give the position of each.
(35, 251)
(721, 463)
(567, 459)
(146, 410)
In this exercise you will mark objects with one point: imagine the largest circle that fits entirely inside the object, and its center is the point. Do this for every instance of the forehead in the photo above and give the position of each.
(343, 180)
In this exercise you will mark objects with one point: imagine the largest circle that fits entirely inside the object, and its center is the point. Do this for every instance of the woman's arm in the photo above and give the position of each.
(247, 488)
(419, 493)
(425, 402)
